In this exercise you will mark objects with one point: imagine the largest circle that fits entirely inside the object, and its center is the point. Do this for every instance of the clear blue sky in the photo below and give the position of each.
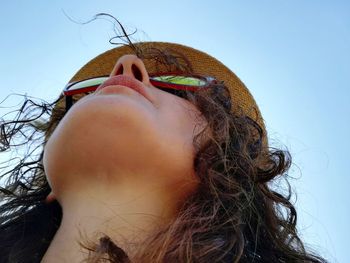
(293, 56)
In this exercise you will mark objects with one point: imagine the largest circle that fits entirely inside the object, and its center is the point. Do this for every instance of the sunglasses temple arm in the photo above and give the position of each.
(69, 102)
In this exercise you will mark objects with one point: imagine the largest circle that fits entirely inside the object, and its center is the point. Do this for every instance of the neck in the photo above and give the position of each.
(126, 215)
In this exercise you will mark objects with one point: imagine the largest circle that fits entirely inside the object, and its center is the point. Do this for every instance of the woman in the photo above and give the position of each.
(165, 160)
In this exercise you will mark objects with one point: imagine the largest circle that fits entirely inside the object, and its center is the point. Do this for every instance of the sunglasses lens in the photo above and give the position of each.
(181, 80)
(88, 83)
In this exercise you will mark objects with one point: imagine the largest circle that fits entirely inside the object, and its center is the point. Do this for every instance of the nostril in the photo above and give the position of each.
(120, 70)
(137, 72)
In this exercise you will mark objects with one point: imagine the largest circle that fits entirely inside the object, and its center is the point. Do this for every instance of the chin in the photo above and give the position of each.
(100, 134)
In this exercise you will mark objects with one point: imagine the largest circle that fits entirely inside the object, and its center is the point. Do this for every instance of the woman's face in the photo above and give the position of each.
(127, 130)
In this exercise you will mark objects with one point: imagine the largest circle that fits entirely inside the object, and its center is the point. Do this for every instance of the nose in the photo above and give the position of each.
(132, 66)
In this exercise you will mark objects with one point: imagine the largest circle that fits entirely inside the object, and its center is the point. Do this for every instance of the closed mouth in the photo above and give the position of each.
(129, 82)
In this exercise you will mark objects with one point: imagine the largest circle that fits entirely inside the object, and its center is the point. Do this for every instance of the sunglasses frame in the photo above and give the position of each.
(156, 83)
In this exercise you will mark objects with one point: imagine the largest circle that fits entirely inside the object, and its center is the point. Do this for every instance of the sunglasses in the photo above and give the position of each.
(176, 84)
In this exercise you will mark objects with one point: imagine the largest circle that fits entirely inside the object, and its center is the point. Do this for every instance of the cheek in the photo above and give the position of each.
(178, 126)
(181, 121)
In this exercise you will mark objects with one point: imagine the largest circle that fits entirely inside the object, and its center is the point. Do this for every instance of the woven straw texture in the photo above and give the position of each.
(201, 63)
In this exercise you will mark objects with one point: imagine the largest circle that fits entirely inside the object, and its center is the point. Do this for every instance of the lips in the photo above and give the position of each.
(127, 82)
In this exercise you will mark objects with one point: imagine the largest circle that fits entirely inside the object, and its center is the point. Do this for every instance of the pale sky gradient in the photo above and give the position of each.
(293, 55)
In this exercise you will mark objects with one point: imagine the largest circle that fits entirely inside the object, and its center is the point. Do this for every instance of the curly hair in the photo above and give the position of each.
(233, 216)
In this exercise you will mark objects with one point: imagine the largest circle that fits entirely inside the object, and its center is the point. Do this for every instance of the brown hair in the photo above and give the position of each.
(233, 216)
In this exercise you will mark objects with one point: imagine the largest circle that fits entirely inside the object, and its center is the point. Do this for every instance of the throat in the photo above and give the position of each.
(127, 223)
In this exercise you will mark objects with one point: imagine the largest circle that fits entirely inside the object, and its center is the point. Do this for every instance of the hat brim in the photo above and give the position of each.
(201, 63)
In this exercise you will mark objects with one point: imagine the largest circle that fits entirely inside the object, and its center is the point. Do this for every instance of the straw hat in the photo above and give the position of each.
(201, 63)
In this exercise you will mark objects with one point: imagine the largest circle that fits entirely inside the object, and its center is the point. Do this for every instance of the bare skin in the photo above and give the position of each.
(126, 215)
(120, 164)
